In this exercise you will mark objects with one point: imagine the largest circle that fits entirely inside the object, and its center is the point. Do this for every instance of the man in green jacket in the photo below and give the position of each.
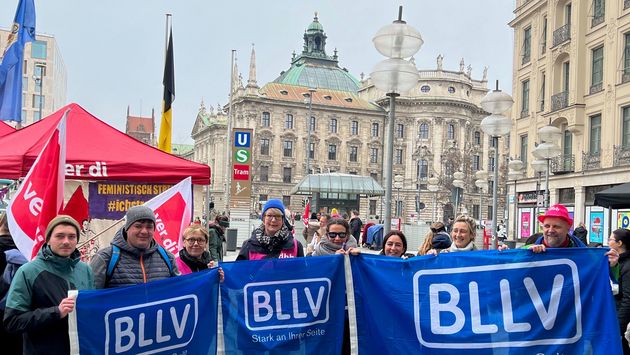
(38, 303)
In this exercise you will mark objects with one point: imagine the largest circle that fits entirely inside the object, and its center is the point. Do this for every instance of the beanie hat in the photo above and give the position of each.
(273, 203)
(138, 213)
(62, 219)
(557, 211)
(441, 241)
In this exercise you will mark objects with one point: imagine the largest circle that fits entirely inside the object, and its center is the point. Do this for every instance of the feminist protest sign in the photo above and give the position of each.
(175, 316)
(291, 306)
(475, 303)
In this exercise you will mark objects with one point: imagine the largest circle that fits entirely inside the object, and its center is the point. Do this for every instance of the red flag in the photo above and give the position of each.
(307, 212)
(77, 206)
(40, 196)
(173, 211)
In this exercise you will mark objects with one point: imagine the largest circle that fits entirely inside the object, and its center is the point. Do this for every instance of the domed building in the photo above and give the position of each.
(437, 133)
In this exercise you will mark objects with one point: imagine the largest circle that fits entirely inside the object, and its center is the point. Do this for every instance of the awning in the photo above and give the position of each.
(338, 183)
(614, 197)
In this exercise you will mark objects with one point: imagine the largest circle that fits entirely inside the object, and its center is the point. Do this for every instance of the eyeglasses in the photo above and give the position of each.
(273, 216)
(333, 235)
(192, 241)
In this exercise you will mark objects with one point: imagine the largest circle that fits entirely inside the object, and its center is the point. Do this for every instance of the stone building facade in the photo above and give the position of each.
(572, 70)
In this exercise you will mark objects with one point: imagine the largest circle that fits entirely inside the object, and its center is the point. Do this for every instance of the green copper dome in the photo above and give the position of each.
(314, 69)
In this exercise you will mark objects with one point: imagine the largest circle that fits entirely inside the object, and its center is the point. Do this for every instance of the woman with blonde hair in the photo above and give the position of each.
(194, 256)
(463, 235)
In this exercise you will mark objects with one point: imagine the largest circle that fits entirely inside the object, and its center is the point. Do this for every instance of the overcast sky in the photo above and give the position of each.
(114, 50)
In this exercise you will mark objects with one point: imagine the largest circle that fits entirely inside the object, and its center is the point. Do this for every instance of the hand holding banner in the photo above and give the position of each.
(40, 196)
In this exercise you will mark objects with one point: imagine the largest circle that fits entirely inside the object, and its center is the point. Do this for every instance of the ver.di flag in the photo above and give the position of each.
(22, 31)
(166, 124)
(173, 213)
(40, 196)
(486, 302)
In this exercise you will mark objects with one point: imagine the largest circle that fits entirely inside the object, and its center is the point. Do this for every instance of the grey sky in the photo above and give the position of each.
(114, 50)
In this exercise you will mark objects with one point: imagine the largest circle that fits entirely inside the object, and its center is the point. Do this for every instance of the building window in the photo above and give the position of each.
(475, 162)
(354, 154)
(598, 12)
(491, 164)
(543, 80)
(595, 136)
(333, 125)
(524, 149)
(451, 89)
(39, 70)
(288, 121)
(288, 149)
(566, 66)
(311, 151)
(372, 207)
(263, 197)
(23, 116)
(264, 146)
(450, 132)
(354, 128)
(400, 130)
(36, 116)
(493, 142)
(264, 173)
(313, 124)
(375, 129)
(423, 169)
(626, 58)
(477, 138)
(332, 152)
(527, 45)
(373, 155)
(425, 88)
(38, 50)
(36, 100)
(448, 169)
(597, 69)
(286, 175)
(543, 40)
(525, 98)
(398, 158)
(286, 200)
(625, 128)
(266, 119)
(423, 132)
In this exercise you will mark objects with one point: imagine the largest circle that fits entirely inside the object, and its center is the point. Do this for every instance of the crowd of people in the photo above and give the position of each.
(35, 302)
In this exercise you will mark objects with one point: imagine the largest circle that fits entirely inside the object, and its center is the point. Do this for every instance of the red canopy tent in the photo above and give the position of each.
(5, 129)
(95, 151)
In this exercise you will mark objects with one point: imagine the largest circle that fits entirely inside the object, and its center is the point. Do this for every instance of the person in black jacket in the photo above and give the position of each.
(355, 225)
(11, 343)
(581, 233)
(620, 240)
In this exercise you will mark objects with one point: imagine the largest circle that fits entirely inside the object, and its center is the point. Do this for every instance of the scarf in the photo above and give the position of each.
(195, 264)
(273, 242)
(326, 247)
(469, 247)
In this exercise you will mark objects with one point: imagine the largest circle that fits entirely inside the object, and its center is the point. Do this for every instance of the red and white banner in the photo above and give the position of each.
(40, 196)
(307, 212)
(173, 212)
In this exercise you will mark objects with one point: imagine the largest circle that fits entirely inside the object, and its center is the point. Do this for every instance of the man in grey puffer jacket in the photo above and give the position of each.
(139, 261)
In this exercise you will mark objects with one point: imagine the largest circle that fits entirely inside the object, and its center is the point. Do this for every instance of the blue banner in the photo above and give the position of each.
(174, 316)
(22, 31)
(290, 306)
(509, 302)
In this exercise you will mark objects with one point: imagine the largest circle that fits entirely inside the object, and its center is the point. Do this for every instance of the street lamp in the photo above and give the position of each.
(496, 102)
(482, 185)
(309, 120)
(548, 150)
(515, 172)
(39, 82)
(398, 184)
(433, 187)
(393, 76)
(459, 183)
(539, 166)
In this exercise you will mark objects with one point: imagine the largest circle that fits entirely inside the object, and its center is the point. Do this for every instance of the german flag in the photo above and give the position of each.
(166, 125)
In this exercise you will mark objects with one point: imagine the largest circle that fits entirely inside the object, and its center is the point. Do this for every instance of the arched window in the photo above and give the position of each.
(450, 133)
(423, 169)
(424, 131)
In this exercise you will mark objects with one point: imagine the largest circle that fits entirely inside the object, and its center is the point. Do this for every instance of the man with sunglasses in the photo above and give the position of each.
(273, 238)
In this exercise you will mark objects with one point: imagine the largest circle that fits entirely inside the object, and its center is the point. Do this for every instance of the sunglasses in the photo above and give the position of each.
(333, 235)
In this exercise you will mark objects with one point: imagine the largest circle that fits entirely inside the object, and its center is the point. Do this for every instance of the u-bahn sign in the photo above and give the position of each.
(241, 186)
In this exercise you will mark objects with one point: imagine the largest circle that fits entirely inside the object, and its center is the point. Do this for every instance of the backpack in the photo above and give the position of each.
(15, 259)
(116, 258)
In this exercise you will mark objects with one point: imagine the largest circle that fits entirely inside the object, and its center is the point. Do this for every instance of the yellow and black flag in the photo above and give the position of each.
(166, 125)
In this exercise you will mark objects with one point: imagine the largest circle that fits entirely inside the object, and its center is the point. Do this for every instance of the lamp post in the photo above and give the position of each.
(515, 172)
(482, 185)
(433, 187)
(39, 81)
(459, 183)
(539, 166)
(548, 150)
(398, 184)
(309, 119)
(496, 102)
(393, 76)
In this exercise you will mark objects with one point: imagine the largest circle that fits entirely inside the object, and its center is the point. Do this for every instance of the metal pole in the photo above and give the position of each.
(228, 148)
(515, 212)
(546, 202)
(389, 157)
(495, 185)
(434, 206)
(536, 207)
(308, 137)
(480, 204)
(41, 91)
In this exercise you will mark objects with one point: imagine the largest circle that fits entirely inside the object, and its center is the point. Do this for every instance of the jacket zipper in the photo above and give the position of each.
(144, 274)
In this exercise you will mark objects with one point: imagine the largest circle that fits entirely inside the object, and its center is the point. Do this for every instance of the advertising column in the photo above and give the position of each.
(241, 183)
